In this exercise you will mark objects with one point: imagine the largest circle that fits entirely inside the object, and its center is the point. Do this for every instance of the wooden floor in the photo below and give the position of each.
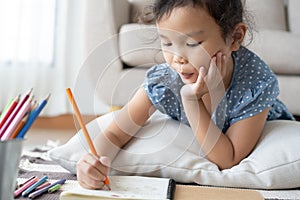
(60, 122)
(55, 130)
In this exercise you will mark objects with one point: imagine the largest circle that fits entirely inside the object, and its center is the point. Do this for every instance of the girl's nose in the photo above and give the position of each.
(179, 59)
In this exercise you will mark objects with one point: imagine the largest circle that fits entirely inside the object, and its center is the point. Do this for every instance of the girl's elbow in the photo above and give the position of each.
(227, 164)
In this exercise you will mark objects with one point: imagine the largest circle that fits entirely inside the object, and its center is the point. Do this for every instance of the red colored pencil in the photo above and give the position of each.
(14, 113)
(17, 119)
(9, 110)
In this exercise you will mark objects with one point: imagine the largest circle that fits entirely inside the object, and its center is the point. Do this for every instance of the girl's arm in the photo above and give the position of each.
(125, 125)
(224, 149)
(91, 171)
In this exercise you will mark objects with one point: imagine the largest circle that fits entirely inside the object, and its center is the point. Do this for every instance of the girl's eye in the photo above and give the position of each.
(193, 44)
(167, 44)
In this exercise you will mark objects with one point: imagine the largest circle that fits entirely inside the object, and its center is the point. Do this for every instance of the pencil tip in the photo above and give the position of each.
(47, 98)
(108, 187)
(30, 91)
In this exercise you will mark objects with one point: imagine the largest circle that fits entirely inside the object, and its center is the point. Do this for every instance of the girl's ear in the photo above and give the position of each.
(238, 36)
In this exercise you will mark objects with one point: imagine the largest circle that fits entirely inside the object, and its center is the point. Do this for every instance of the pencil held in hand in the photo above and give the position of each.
(83, 127)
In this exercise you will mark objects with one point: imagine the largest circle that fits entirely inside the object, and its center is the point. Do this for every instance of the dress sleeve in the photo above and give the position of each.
(256, 99)
(160, 86)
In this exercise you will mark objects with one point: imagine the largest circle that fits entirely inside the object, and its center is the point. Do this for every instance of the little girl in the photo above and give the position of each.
(222, 90)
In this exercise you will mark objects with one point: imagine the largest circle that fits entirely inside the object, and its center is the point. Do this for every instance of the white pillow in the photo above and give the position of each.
(167, 148)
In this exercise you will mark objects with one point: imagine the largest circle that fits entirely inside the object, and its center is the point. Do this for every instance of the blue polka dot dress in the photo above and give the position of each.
(253, 88)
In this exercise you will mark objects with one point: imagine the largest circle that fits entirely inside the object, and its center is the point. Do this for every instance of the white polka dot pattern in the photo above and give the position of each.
(253, 88)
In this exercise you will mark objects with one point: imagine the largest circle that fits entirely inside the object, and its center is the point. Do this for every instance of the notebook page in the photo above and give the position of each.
(130, 187)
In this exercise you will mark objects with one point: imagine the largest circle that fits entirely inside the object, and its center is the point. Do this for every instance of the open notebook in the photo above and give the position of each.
(127, 187)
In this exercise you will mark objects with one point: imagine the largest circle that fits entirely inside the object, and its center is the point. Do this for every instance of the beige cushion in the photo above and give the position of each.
(167, 148)
(289, 92)
(279, 49)
(268, 14)
(139, 45)
(138, 8)
(294, 16)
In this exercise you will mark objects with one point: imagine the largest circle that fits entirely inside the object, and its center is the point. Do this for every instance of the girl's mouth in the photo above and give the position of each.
(186, 75)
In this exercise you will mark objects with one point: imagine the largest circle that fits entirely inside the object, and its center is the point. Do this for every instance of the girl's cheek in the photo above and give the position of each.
(199, 57)
(167, 57)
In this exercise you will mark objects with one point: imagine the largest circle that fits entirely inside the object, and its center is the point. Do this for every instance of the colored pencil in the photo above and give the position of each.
(19, 127)
(8, 111)
(35, 185)
(81, 122)
(22, 112)
(32, 117)
(83, 127)
(45, 189)
(5, 109)
(42, 186)
(20, 185)
(54, 188)
(14, 113)
(25, 186)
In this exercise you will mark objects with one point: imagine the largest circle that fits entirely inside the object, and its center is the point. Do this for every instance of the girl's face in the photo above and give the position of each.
(190, 38)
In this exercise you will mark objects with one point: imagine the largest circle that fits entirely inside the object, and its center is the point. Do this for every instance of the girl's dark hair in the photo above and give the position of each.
(226, 13)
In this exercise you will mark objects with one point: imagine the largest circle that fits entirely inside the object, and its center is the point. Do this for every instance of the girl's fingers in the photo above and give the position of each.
(89, 169)
(87, 182)
(91, 172)
(212, 68)
(96, 167)
(219, 65)
(214, 76)
(105, 162)
(102, 164)
(200, 79)
(219, 61)
(223, 69)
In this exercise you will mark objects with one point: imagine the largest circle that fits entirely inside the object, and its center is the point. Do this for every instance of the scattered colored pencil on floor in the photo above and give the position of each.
(18, 116)
(34, 187)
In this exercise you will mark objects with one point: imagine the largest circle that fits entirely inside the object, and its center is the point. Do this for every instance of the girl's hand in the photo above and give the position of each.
(91, 172)
(207, 81)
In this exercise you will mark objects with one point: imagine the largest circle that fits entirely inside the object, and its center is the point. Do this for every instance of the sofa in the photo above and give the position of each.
(135, 47)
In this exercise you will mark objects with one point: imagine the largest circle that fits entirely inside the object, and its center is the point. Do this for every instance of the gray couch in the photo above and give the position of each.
(136, 47)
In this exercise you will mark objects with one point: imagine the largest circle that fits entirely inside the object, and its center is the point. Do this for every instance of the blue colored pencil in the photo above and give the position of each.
(45, 189)
(35, 185)
(32, 117)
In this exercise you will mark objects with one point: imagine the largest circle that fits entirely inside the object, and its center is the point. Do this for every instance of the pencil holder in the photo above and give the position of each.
(10, 153)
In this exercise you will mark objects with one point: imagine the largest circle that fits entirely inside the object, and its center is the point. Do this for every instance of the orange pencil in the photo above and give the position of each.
(19, 127)
(83, 127)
